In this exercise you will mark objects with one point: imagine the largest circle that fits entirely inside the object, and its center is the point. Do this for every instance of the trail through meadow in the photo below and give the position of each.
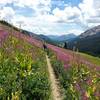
(54, 83)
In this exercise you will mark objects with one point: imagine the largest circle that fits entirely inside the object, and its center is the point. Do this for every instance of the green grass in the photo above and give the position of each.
(94, 60)
(76, 78)
(23, 71)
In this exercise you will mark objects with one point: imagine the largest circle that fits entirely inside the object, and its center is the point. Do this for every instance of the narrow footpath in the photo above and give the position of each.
(54, 83)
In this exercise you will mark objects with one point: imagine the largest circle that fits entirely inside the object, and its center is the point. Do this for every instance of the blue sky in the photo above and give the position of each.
(54, 17)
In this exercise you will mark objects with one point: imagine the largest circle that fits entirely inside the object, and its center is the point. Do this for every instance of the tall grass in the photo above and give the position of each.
(23, 72)
(78, 81)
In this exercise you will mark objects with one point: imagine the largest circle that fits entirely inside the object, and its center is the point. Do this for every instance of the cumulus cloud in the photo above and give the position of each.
(7, 13)
(46, 19)
(86, 13)
(4, 2)
(90, 11)
(68, 14)
(78, 31)
(40, 6)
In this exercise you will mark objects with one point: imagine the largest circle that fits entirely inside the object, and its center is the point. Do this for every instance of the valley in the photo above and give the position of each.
(23, 67)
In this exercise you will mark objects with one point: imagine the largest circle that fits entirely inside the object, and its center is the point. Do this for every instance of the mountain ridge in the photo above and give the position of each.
(60, 38)
(90, 32)
(88, 42)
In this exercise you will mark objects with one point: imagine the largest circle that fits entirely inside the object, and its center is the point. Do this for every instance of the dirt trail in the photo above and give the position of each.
(54, 83)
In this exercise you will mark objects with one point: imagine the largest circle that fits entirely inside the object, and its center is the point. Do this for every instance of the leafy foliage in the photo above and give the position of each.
(78, 82)
(23, 73)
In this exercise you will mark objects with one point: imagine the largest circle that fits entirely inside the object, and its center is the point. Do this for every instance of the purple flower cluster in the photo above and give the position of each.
(63, 55)
(29, 39)
(68, 57)
(3, 36)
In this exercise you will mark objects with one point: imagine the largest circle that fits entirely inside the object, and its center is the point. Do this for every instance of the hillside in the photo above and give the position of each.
(88, 42)
(25, 74)
(91, 32)
(12, 29)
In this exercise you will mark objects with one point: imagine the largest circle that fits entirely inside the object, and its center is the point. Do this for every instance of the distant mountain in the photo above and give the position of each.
(62, 38)
(47, 39)
(53, 37)
(88, 42)
(44, 38)
(91, 32)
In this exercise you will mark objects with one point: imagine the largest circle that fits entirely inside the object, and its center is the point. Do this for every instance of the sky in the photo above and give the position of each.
(52, 17)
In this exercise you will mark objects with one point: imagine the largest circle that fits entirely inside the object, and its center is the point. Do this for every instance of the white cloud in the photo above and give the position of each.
(90, 11)
(7, 13)
(96, 4)
(59, 13)
(4, 2)
(76, 31)
(29, 3)
(69, 14)
(40, 6)
(87, 7)
(86, 15)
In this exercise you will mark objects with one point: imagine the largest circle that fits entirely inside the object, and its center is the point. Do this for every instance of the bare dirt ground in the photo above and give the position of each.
(54, 83)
